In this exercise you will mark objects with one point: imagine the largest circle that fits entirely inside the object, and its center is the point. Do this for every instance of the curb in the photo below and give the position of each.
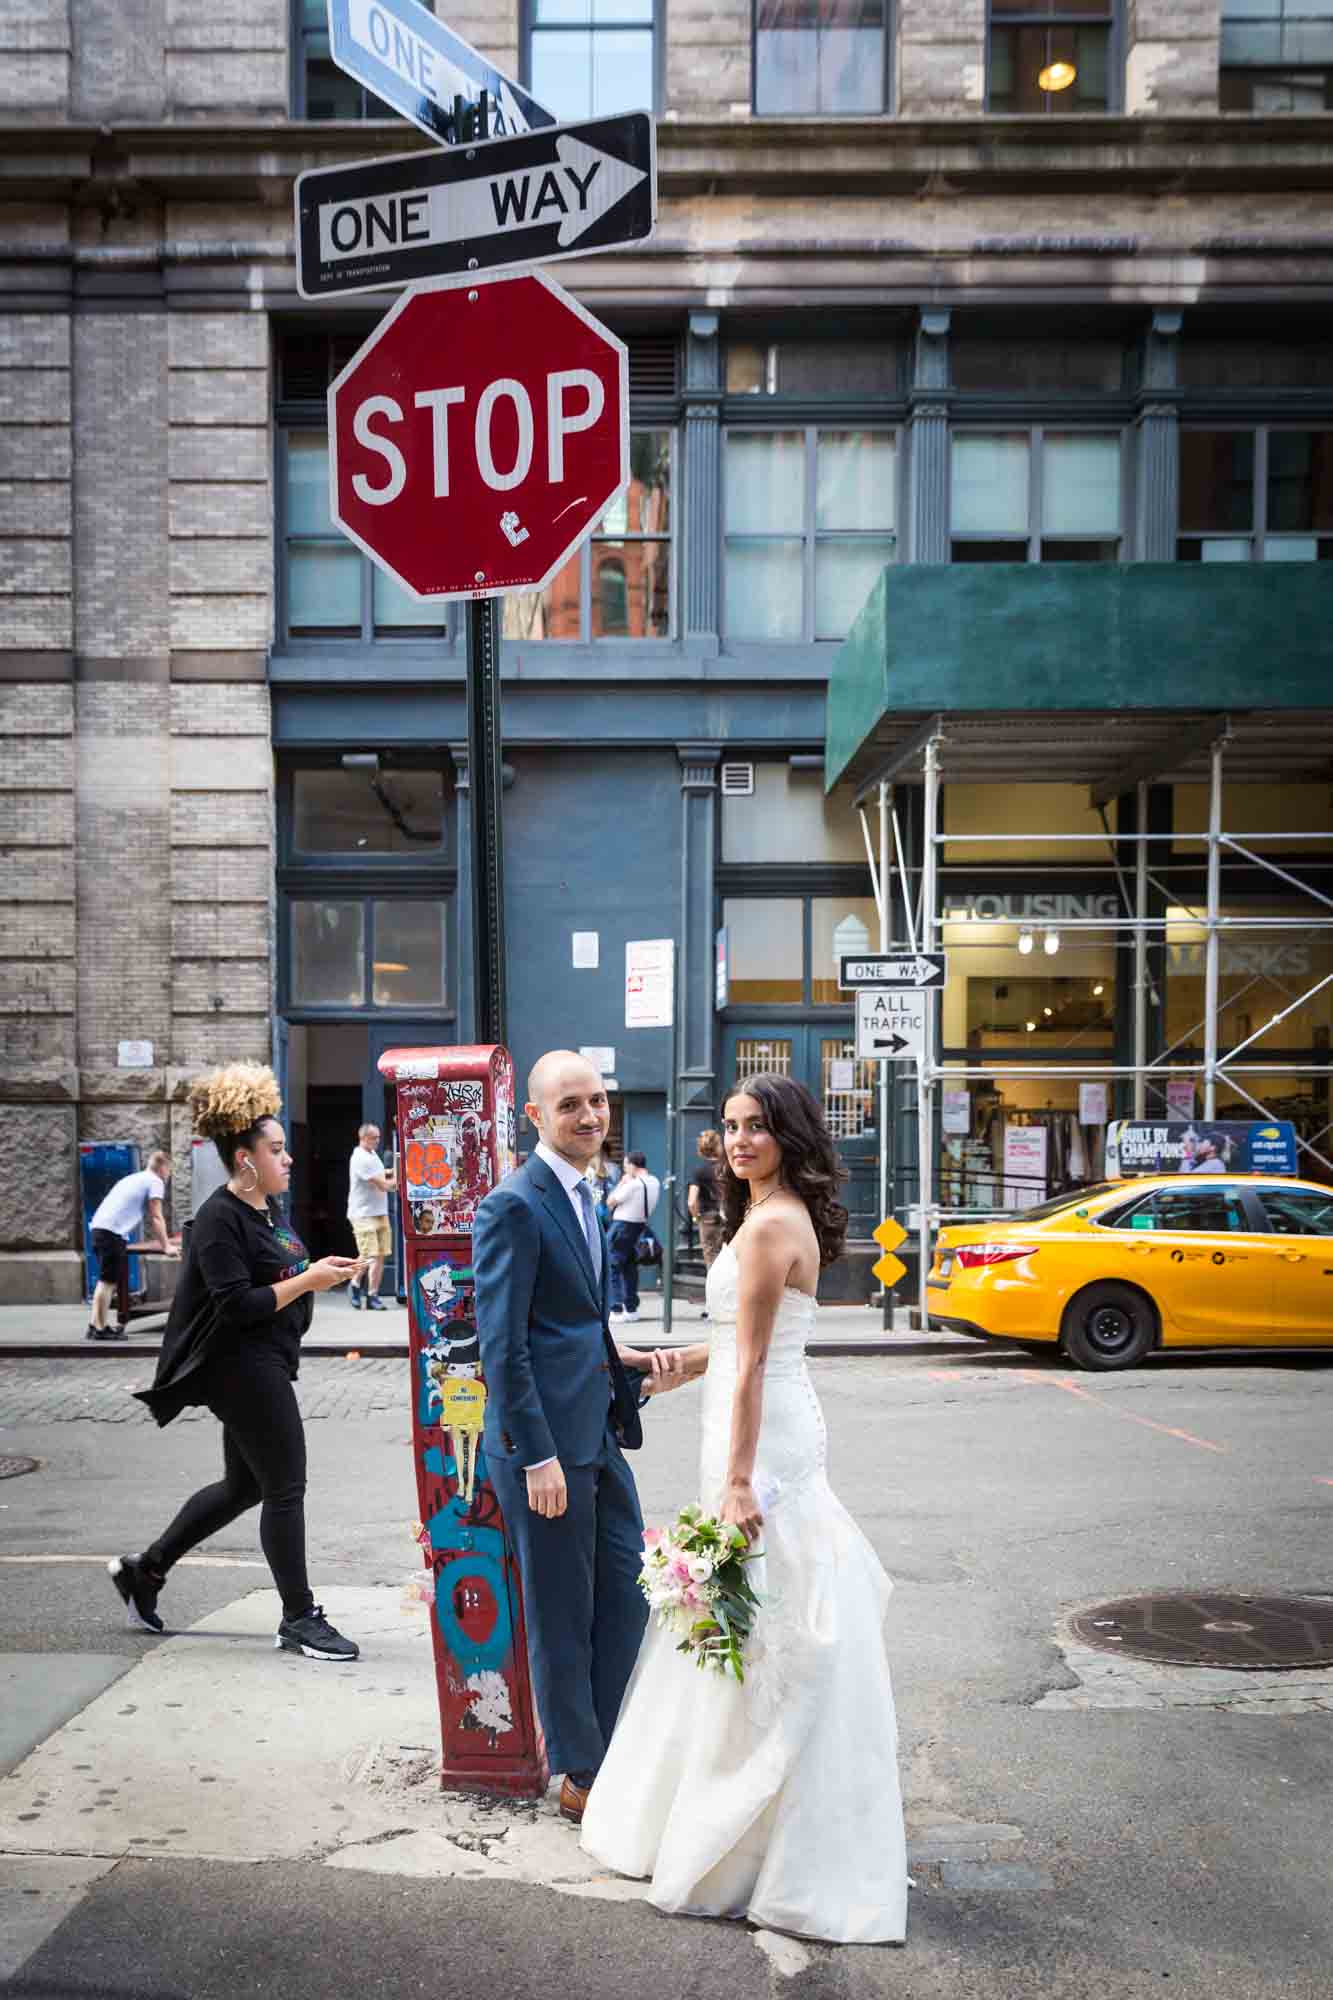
(323, 1350)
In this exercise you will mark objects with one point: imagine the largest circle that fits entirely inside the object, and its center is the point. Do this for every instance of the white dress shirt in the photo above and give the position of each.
(569, 1178)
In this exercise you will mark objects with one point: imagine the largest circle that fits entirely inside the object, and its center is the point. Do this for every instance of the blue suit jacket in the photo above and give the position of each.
(550, 1365)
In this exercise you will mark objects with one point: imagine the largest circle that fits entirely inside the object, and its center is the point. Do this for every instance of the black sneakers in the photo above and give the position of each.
(106, 1332)
(354, 1297)
(139, 1586)
(315, 1637)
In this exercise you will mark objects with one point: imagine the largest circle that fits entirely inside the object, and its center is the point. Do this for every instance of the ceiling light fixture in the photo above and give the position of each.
(1098, 990)
(1032, 1027)
(1048, 1012)
(1050, 944)
(1025, 942)
(1056, 76)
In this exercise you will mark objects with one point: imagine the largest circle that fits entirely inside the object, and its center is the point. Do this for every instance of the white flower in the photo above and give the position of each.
(700, 1569)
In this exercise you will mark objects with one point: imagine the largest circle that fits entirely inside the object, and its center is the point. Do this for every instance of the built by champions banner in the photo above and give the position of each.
(1199, 1146)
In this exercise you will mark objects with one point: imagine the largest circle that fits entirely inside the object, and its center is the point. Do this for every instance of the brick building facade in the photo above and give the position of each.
(155, 700)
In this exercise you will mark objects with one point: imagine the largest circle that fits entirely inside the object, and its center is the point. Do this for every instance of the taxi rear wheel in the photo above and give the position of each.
(1108, 1326)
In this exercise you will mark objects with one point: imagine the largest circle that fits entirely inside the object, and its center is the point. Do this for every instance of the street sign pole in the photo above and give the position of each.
(484, 790)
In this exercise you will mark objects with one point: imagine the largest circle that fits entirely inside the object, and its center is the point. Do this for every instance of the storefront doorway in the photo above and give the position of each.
(822, 1056)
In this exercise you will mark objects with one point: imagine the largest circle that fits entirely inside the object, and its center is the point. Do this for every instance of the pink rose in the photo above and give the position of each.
(651, 1537)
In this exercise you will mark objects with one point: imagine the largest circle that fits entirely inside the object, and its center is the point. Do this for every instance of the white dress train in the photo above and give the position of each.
(777, 1800)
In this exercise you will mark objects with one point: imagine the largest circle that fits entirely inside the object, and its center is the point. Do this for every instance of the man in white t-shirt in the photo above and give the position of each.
(369, 1186)
(631, 1202)
(116, 1223)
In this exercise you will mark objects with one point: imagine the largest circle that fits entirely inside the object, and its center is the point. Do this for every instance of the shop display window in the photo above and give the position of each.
(1262, 972)
(328, 961)
(826, 914)
(381, 952)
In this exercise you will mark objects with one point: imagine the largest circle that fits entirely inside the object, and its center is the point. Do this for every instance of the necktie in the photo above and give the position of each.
(590, 1229)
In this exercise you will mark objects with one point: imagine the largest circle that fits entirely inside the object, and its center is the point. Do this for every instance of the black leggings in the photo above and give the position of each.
(263, 1460)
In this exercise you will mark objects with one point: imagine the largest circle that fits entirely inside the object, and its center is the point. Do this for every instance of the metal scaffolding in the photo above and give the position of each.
(922, 759)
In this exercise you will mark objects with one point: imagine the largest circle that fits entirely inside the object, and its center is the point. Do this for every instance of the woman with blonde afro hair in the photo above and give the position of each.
(233, 1340)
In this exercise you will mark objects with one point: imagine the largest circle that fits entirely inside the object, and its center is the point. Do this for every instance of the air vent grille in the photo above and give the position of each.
(652, 364)
(738, 781)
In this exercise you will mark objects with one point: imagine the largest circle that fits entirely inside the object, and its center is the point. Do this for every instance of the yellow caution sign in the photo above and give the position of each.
(889, 1235)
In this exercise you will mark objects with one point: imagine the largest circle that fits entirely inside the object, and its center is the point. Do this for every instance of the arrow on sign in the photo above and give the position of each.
(921, 971)
(571, 193)
(891, 1043)
(561, 192)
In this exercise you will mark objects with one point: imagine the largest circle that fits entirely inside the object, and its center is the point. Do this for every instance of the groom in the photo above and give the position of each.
(561, 1410)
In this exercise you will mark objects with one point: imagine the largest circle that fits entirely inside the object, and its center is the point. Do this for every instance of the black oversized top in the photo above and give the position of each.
(224, 1299)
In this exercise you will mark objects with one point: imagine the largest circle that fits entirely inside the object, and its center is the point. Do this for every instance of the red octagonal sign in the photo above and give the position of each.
(479, 435)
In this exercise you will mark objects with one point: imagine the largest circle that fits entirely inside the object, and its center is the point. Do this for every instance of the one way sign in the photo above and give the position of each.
(890, 1025)
(559, 192)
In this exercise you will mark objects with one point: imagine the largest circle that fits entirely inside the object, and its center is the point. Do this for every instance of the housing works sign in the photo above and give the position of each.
(1057, 907)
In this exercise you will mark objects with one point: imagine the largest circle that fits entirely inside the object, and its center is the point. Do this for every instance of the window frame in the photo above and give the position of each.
(1292, 15)
(418, 638)
(1257, 537)
(887, 108)
(528, 25)
(750, 882)
(1115, 59)
(671, 537)
(1036, 436)
(339, 890)
(810, 533)
(1121, 1217)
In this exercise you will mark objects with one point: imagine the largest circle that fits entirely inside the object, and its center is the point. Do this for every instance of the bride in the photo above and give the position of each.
(776, 1800)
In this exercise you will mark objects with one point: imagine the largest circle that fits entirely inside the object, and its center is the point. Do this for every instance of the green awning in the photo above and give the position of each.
(1072, 671)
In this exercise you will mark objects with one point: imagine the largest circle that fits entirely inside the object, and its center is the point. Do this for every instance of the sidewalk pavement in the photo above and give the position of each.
(58, 1332)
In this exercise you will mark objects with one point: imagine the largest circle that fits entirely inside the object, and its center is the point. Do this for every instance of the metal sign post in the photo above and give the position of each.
(485, 782)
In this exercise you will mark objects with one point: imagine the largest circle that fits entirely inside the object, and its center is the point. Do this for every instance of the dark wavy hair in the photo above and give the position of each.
(810, 1165)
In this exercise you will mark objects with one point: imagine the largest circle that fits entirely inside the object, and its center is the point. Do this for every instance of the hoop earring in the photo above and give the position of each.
(251, 1168)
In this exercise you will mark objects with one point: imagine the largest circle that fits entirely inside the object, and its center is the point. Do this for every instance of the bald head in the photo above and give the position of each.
(567, 1105)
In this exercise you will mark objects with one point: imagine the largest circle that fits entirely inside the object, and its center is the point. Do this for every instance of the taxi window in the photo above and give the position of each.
(1297, 1212)
(1214, 1210)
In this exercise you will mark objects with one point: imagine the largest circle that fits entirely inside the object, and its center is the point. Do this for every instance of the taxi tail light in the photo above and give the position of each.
(977, 1255)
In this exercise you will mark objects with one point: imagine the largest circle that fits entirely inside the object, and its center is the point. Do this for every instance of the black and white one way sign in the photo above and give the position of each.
(890, 1025)
(560, 192)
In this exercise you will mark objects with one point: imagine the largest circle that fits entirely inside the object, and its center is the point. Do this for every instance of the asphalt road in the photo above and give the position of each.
(1076, 1827)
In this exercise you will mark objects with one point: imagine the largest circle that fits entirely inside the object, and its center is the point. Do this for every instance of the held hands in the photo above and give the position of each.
(740, 1509)
(664, 1367)
(547, 1493)
(330, 1272)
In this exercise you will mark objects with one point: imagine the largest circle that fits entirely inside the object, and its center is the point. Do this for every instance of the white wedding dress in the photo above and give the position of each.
(776, 1800)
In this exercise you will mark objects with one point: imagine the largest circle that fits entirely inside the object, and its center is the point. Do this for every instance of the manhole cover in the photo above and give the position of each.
(10, 1468)
(1179, 1630)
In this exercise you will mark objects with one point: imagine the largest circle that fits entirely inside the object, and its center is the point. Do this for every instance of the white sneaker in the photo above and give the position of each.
(616, 1314)
(629, 1315)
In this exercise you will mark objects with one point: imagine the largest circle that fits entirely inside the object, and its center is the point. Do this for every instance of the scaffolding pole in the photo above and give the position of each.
(925, 1069)
(1212, 936)
(1141, 952)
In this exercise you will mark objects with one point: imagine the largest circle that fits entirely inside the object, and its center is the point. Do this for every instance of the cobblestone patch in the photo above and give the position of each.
(1108, 1682)
(61, 1392)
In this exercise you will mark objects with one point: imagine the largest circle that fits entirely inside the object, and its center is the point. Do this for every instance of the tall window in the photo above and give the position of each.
(321, 89)
(820, 55)
(1261, 494)
(1277, 55)
(592, 58)
(620, 585)
(1051, 55)
(1036, 496)
(810, 519)
(330, 590)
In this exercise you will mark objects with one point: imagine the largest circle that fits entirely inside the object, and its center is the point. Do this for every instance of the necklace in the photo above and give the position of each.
(762, 1199)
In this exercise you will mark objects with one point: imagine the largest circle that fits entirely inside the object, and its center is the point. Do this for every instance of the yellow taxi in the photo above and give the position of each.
(1108, 1273)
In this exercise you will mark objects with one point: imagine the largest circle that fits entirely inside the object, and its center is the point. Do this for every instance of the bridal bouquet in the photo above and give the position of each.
(693, 1577)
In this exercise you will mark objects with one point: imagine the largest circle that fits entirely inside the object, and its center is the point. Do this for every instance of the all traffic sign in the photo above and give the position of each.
(561, 192)
(478, 435)
(399, 50)
(915, 970)
(890, 1025)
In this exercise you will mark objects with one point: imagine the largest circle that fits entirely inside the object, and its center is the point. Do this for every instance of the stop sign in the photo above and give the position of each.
(479, 434)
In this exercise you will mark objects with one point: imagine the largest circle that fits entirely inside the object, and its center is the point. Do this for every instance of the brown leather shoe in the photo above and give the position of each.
(573, 1798)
